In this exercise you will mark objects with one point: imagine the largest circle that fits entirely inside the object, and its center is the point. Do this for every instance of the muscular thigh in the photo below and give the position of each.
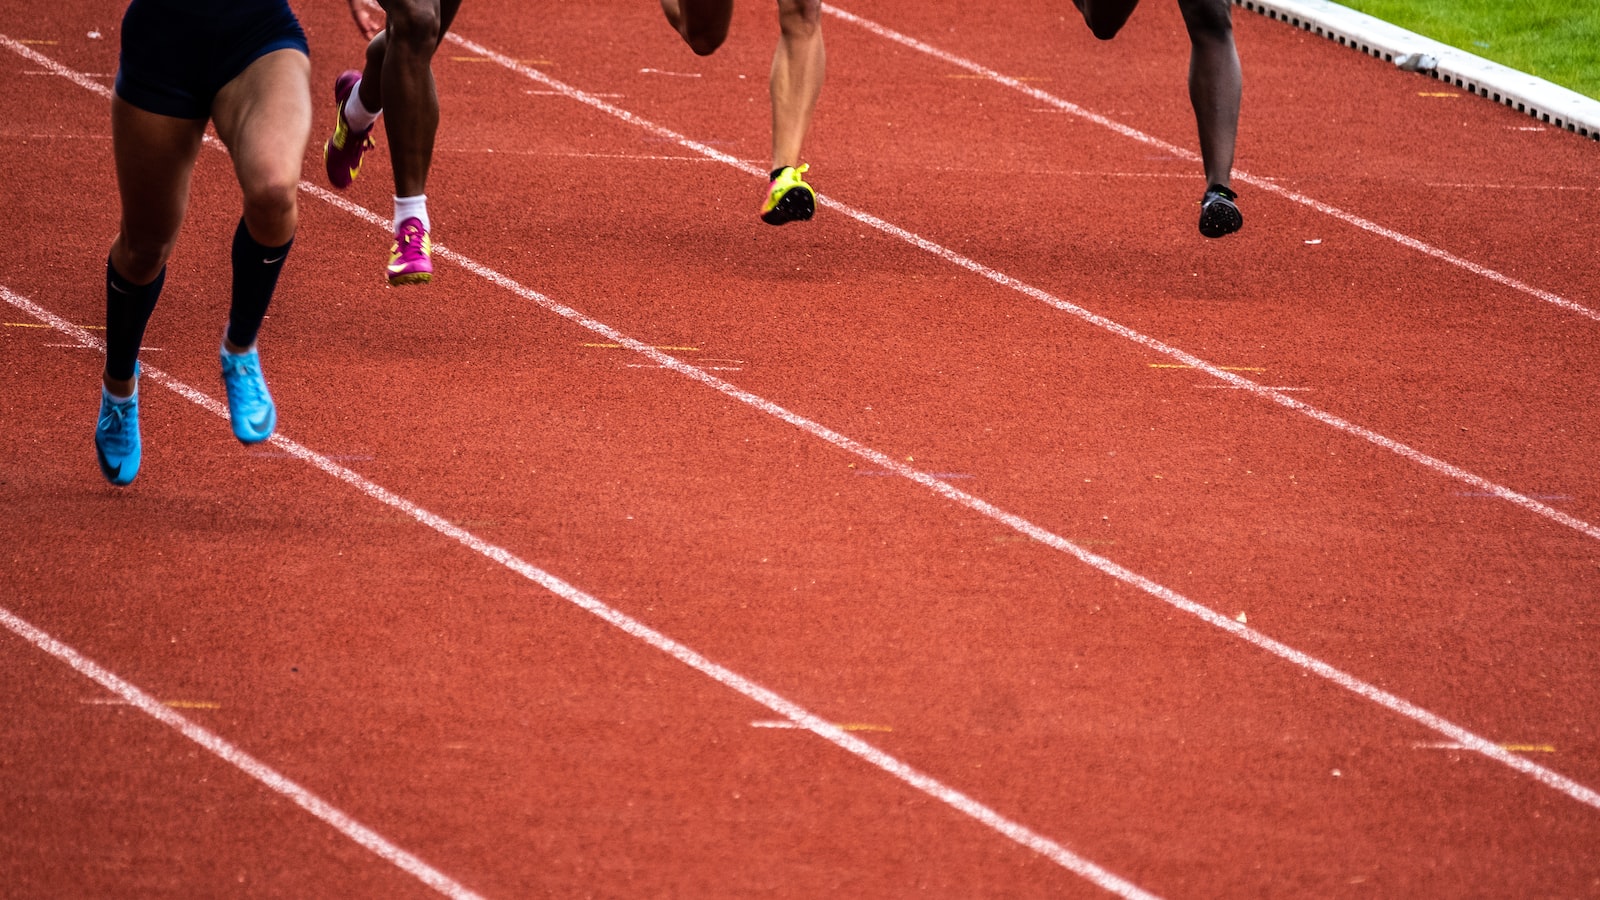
(155, 156)
(264, 118)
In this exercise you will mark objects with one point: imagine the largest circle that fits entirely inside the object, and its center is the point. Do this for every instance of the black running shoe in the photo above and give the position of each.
(1219, 216)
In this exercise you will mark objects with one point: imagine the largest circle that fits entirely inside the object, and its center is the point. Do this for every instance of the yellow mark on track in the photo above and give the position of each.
(1528, 748)
(1223, 368)
(1437, 94)
(37, 325)
(40, 42)
(656, 347)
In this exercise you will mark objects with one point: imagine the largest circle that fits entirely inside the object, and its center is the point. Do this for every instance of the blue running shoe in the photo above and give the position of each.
(116, 437)
(250, 407)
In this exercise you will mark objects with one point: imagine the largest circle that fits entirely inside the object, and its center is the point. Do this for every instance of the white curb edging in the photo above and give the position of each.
(1522, 92)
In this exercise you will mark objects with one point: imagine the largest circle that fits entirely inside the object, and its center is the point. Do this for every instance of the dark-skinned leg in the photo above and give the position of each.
(1215, 84)
(404, 88)
(703, 24)
(1105, 17)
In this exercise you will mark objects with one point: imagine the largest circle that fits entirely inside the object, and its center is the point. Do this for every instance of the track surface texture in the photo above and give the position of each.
(1144, 629)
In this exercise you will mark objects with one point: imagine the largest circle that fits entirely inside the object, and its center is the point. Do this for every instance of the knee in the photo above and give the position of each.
(1105, 31)
(705, 41)
(138, 258)
(271, 205)
(1208, 20)
(375, 50)
(414, 23)
(799, 18)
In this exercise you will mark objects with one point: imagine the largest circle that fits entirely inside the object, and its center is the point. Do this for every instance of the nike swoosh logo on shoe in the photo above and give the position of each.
(271, 261)
(110, 471)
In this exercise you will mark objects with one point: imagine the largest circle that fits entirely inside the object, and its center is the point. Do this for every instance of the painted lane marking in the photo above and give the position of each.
(1510, 187)
(706, 367)
(81, 347)
(639, 157)
(789, 710)
(1222, 368)
(278, 454)
(957, 800)
(1509, 748)
(673, 74)
(1282, 399)
(173, 704)
(654, 346)
(842, 726)
(231, 754)
(558, 94)
(1235, 387)
(1534, 496)
(941, 475)
(1266, 184)
(1392, 702)
(37, 325)
(527, 62)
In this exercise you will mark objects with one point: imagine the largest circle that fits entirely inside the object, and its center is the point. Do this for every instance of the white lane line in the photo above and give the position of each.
(1015, 831)
(232, 755)
(1304, 661)
(1099, 321)
(1265, 184)
(790, 711)
(1389, 701)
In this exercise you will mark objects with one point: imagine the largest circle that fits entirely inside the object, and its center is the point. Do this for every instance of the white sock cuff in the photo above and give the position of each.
(412, 208)
(356, 113)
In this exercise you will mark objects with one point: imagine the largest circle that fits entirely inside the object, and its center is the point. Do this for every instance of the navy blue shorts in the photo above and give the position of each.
(177, 54)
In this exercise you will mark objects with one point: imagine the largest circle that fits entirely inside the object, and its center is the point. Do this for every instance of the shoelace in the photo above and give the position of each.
(114, 424)
(252, 389)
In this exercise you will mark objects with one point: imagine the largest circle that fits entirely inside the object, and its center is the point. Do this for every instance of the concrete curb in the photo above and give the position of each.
(1522, 92)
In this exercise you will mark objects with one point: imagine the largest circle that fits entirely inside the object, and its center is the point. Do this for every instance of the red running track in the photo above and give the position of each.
(515, 744)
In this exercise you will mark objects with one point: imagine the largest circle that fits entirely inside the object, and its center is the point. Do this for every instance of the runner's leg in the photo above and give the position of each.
(1106, 17)
(263, 117)
(155, 157)
(1215, 84)
(703, 24)
(797, 73)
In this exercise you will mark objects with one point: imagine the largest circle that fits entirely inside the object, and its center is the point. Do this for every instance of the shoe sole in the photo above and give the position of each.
(410, 278)
(327, 146)
(1220, 219)
(798, 205)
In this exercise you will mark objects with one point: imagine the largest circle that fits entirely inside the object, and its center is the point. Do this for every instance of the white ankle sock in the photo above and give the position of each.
(412, 208)
(359, 117)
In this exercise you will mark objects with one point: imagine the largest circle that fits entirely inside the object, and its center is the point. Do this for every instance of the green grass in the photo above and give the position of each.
(1557, 40)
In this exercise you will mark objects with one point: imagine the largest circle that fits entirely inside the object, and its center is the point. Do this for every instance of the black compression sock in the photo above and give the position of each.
(255, 277)
(128, 309)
